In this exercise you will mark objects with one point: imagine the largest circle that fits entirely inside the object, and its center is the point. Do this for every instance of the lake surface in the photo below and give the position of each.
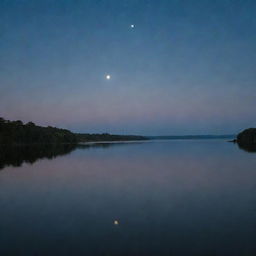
(187, 197)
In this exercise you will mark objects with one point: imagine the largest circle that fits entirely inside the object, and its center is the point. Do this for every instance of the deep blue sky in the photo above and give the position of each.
(188, 67)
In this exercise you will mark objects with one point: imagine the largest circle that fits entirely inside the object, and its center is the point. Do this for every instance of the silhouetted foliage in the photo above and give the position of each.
(15, 132)
(247, 136)
(246, 140)
(85, 137)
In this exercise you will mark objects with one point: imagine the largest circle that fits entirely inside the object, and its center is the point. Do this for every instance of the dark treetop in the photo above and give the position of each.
(247, 136)
(15, 132)
(247, 139)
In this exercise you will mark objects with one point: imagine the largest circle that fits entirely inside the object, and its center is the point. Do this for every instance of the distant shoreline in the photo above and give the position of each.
(189, 137)
(17, 133)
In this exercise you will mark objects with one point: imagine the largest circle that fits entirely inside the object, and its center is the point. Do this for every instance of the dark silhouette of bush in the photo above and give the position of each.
(247, 137)
(246, 140)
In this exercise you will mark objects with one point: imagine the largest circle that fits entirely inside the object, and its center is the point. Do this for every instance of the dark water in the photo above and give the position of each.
(194, 197)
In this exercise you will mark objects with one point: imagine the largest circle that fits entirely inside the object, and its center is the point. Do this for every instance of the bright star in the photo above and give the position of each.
(132, 25)
(108, 77)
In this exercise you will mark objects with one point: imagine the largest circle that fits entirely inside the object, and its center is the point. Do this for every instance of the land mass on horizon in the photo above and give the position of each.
(15, 132)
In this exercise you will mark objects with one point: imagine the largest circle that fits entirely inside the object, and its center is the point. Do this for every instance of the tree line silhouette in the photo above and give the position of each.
(86, 137)
(15, 132)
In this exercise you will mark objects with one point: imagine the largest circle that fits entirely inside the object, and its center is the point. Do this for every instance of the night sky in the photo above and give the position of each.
(187, 67)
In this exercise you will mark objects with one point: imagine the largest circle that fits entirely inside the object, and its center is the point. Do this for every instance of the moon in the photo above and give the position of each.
(108, 77)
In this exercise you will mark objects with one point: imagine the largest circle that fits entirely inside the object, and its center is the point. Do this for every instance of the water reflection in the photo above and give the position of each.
(17, 155)
(160, 198)
(247, 147)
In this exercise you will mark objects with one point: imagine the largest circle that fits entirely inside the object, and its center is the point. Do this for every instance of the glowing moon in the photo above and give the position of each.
(108, 77)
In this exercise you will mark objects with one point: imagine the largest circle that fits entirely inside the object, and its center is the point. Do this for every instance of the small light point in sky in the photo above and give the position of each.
(116, 222)
(132, 26)
(108, 77)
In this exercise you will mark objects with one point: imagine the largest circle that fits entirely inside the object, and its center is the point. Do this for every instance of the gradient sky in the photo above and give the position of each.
(188, 67)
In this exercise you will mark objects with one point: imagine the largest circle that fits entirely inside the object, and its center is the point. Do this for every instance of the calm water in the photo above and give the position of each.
(195, 197)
